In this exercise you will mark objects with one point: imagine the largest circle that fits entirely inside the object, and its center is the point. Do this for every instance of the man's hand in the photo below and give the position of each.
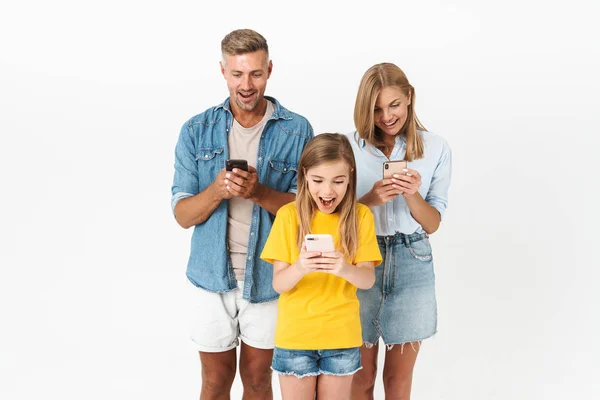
(220, 185)
(244, 184)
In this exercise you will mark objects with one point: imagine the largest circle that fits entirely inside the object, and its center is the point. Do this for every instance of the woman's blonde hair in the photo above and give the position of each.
(326, 148)
(376, 78)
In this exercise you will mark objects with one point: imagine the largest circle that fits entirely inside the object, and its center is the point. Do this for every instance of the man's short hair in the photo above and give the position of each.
(242, 41)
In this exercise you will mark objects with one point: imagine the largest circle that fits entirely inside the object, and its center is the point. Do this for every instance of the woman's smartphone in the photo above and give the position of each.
(319, 242)
(239, 164)
(393, 167)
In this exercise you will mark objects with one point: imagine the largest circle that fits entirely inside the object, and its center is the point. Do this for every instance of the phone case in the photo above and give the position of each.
(319, 242)
(393, 167)
(232, 163)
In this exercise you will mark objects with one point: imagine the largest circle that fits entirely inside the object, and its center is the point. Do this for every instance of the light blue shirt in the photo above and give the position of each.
(435, 168)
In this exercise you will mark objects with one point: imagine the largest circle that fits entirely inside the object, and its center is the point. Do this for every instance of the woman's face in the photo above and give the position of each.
(391, 110)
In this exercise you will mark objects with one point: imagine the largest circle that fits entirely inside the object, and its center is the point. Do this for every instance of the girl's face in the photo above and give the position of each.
(391, 110)
(328, 183)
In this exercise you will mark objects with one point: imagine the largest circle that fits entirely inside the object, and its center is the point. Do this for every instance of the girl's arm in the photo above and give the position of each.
(361, 275)
(286, 276)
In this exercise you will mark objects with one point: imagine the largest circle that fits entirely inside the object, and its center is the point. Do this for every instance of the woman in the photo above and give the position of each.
(401, 307)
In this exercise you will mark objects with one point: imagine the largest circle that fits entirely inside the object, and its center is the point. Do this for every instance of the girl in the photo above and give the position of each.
(401, 306)
(318, 332)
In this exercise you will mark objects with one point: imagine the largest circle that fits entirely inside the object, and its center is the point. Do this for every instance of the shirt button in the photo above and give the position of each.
(259, 158)
(251, 233)
(249, 258)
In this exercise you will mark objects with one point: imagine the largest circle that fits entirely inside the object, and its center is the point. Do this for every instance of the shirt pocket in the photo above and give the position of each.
(281, 174)
(210, 162)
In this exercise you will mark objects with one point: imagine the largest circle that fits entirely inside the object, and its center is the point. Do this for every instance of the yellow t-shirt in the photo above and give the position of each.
(322, 311)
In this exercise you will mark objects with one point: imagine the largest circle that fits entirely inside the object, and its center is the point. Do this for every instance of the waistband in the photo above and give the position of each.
(402, 238)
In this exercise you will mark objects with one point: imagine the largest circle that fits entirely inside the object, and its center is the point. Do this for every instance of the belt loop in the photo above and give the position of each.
(406, 241)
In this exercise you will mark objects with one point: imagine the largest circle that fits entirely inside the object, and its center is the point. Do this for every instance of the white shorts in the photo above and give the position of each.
(219, 319)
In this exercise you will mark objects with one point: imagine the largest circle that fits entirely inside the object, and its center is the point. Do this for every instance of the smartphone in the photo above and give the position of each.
(319, 242)
(393, 167)
(239, 164)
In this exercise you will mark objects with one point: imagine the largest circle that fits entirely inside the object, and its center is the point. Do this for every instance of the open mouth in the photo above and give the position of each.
(391, 123)
(246, 96)
(327, 202)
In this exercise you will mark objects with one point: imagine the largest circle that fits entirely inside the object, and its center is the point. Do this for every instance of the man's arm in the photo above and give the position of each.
(270, 199)
(245, 184)
(194, 210)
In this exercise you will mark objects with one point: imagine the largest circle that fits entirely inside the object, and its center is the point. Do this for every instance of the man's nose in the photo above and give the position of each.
(246, 83)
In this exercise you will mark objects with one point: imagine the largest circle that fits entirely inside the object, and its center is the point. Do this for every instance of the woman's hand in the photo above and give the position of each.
(408, 183)
(382, 192)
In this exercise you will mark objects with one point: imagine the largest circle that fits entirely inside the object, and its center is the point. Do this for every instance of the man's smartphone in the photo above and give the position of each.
(393, 167)
(239, 164)
(319, 242)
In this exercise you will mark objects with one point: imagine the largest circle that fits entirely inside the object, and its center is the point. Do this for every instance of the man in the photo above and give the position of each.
(232, 213)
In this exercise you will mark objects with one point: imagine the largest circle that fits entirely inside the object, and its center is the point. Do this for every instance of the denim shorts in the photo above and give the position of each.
(401, 307)
(301, 363)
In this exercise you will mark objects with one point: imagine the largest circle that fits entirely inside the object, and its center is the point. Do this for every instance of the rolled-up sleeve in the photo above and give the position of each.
(437, 197)
(185, 180)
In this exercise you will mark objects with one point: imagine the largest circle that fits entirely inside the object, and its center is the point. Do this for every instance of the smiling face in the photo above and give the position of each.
(391, 110)
(328, 184)
(246, 75)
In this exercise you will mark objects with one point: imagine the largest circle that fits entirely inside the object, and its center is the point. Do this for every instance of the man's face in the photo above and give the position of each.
(246, 76)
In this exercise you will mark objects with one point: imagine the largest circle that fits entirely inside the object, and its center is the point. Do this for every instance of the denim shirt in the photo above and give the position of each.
(200, 154)
(435, 168)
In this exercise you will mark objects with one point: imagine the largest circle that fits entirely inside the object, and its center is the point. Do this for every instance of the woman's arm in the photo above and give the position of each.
(428, 217)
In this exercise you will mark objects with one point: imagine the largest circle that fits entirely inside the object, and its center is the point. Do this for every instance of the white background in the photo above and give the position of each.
(92, 97)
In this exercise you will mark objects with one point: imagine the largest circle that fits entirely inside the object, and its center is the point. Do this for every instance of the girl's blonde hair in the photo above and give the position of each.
(377, 77)
(326, 148)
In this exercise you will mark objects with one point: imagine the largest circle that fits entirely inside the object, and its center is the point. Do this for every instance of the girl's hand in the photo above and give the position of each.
(409, 184)
(308, 261)
(333, 263)
(382, 192)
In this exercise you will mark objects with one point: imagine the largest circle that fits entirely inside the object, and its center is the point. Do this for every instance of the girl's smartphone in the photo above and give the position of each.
(319, 242)
(393, 167)
(239, 164)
